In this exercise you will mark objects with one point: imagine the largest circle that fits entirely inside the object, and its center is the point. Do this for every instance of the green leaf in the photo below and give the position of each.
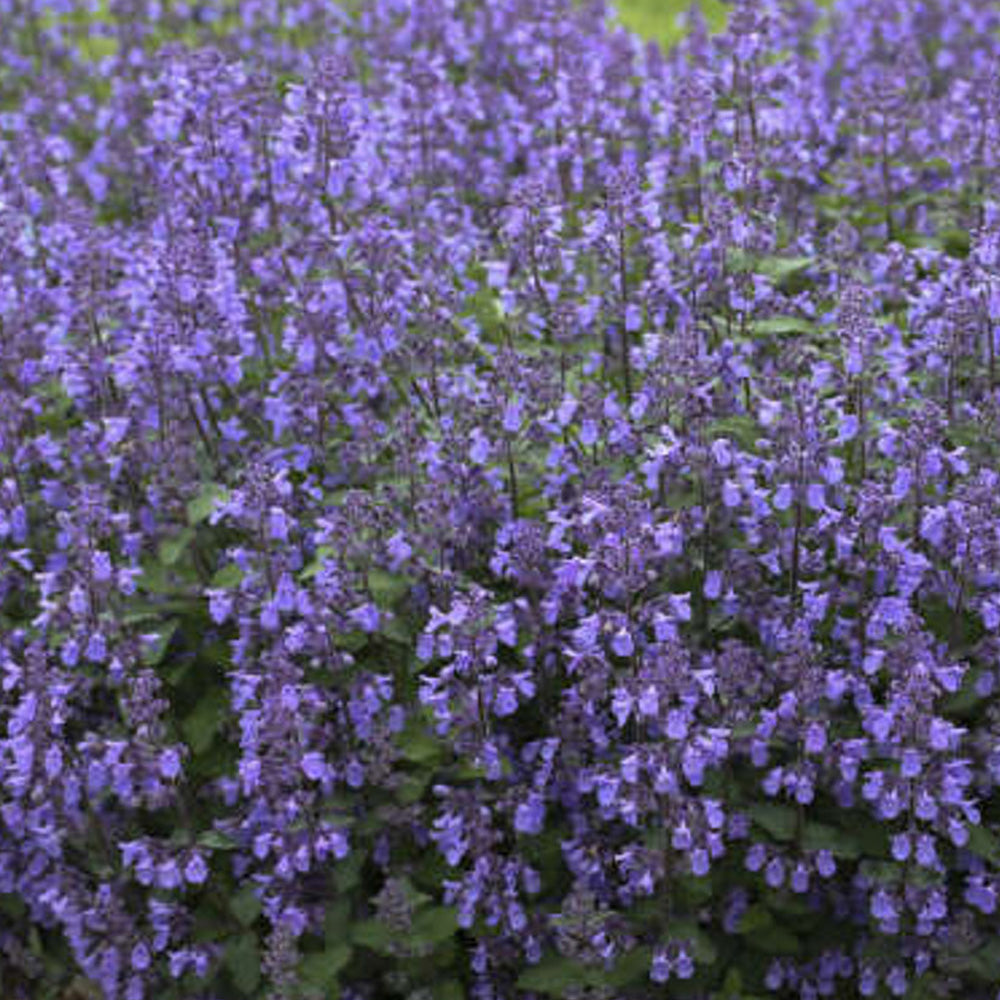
(966, 697)
(775, 940)
(450, 989)
(780, 269)
(779, 821)
(630, 968)
(791, 904)
(172, 549)
(956, 242)
(372, 934)
(398, 630)
(242, 959)
(871, 836)
(984, 844)
(553, 976)
(387, 588)
(201, 507)
(743, 430)
(245, 906)
(154, 651)
(420, 747)
(886, 872)
(154, 578)
(12, 906)
(732, 986)
(226, 578)
(820, 836)
(980, 964)
(353, 642)
(201, 725)
(211, 923)
(434, 925)
(702, 946)
(756, 919)
(336, 922)
(781, 326)
(312, 568)
(347, 873)
(217, 841)
(321, 968)
(411, 789)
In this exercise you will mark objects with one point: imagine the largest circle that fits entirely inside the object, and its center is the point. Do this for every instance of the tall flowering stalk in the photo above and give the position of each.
(492, 509)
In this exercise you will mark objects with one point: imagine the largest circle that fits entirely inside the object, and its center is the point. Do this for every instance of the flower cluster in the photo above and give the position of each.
(492, 509)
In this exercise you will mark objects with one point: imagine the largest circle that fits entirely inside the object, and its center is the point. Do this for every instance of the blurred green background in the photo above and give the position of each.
(655, 19)
(659, 19)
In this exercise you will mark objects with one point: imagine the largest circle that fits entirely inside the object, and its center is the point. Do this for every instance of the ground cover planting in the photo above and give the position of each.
(491, 508)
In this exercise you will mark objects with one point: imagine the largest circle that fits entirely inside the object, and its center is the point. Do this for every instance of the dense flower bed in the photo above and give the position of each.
(489, 509)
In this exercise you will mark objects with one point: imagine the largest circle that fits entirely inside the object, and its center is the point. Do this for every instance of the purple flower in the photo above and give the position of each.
(825, 864)
(774, 874)
(314, 766)
(196, 871)
(622, 643)
(529, 817)
(141, 957)
(661, 967)
(170, 763)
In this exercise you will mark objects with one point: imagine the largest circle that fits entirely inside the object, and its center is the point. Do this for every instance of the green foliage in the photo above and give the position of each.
(662, 19)
(242, 959)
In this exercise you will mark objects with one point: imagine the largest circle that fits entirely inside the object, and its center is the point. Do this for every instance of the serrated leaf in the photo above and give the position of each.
(321, 968)
(412, 787)
(313, 567)
(791, 904)
(782, 268)
(210, 923)
(419, 747)
(347, 873)
(372, 934)
(154, 651)
(820, 837)
(387, 588)
(702, 946)
(200, 508)
(172, 549)
(778, 820)
(226, 578)
(981, 964)
(967, 697)
(353, 642)
(245, 906)
(631, 967)
(756, 919)
(781, 326)
(450, 989)
(154, 578)
(955, 242)
(217, 841)
(396, 629)
(983, 844)
(887, 872)
(743, 430)
(242, 959)
(553, 976)
(12, 906)
(204, 721)
(434, 925)
(336, 922)
(732, 986)
(775, 940)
